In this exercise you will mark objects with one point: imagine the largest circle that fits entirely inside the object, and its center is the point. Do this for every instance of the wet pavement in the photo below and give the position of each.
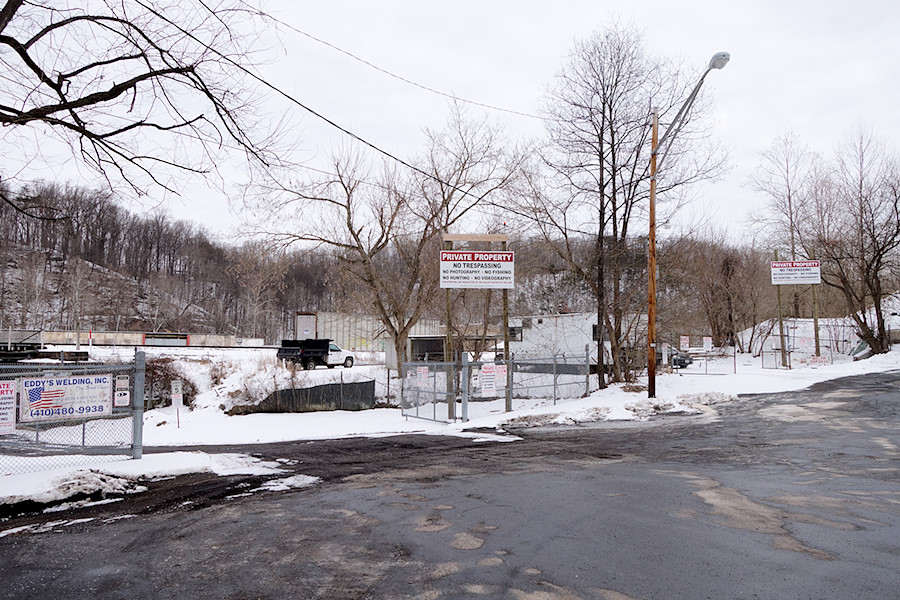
(778, 496)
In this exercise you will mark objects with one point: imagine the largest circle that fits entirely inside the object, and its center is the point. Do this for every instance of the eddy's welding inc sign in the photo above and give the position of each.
(489, 270)
(796, 272)
(51, 398)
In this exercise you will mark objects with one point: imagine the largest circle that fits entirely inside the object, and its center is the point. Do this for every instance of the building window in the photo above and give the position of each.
(594, 333)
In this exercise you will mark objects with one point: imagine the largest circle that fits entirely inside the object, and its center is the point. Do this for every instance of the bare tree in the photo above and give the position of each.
(386, 230)
(599, 130)
(783, 176)
(138, 89)
(32, 287)
(260, 275)
(712, 287)
(854, 227)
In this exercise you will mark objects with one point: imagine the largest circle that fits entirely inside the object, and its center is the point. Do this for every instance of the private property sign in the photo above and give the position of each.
(793, 272)
(473, 269)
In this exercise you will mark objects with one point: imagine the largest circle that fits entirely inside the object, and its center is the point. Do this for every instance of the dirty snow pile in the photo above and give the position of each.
(227, 377)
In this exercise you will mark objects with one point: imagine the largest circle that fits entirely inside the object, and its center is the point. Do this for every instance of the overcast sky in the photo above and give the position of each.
(816, 68)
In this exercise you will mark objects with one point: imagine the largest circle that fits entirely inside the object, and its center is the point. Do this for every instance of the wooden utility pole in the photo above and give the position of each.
(651, 268)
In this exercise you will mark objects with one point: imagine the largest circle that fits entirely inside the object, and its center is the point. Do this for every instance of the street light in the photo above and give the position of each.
(718, 61)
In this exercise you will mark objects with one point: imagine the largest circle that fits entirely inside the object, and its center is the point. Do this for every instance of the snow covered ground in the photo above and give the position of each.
(226, 377)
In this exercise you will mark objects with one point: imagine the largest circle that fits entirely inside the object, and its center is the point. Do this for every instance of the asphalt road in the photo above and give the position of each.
(780, 496)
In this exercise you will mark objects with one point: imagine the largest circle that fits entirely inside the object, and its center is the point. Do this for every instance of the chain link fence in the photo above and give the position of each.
(450, 391)
(59, 415)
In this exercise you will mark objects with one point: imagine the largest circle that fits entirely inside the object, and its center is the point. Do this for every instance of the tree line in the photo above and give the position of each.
(79, 261)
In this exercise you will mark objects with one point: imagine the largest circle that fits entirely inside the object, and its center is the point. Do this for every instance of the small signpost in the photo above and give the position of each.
(480, 269)
(177, 393)
(177, 399)
(795, 272)
(707, 348)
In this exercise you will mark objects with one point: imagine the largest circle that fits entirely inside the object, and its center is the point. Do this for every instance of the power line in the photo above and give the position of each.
(290, 98)
(399, 77)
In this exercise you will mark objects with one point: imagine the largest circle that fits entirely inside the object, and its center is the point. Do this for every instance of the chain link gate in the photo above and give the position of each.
(479, 388)
(55, 433)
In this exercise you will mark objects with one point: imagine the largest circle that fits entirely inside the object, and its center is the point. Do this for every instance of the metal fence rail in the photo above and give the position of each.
(443, 391)
(72, 438)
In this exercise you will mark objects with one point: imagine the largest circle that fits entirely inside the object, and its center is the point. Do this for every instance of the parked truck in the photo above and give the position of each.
(313, 352)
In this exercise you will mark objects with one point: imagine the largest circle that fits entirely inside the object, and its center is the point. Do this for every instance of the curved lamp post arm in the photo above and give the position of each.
(718, 61)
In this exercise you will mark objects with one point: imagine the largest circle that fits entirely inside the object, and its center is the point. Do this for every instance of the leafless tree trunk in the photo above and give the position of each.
(599, 152)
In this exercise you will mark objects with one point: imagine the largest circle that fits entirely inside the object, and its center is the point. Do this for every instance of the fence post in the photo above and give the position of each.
(464, 384)
(587, 370)
(510, 367)
(555, 393)
(137, 405)
(407, 393)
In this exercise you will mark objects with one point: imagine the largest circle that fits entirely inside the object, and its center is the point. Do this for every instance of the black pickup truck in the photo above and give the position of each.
(313, 352)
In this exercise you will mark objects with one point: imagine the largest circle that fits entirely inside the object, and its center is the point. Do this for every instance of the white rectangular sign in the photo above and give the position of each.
(69, 396)
(177, 393)
(122, 394)
(796, 272)
(471, 269)
(7, 407)
(421, 376)
(500, 371)
(488, 381)
(493, 377)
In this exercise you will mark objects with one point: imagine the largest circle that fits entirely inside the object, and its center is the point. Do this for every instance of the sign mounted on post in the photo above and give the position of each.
(474, 269)
(796, 272)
